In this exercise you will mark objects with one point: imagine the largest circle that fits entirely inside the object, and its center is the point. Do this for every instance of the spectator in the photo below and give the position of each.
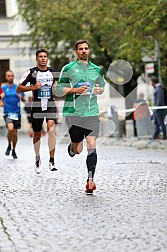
(140, 99)
(158, 114)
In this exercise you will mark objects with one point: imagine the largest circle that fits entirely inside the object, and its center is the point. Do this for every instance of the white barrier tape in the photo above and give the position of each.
(157, 107)
(133, 109)
(126, 110)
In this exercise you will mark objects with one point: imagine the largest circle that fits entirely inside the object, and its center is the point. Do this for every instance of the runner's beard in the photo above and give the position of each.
(10, 82)
(84, 57)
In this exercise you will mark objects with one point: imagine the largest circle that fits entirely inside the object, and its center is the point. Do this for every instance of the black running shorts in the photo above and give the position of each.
(16, 123)
(38, 116)
(81, 127)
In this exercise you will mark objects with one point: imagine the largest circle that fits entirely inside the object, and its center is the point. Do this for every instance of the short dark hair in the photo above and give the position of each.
(154, 79)
(41, 50)
(9, 71)
(81, 41)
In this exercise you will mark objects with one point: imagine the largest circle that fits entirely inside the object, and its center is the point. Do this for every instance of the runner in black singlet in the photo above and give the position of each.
(41, 79)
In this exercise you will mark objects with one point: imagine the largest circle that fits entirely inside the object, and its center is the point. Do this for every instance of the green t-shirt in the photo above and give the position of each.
(76, 74)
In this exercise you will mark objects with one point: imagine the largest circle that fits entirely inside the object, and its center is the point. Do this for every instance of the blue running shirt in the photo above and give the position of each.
(11, 99)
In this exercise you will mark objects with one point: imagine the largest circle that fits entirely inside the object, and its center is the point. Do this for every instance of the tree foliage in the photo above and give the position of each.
(116, 29)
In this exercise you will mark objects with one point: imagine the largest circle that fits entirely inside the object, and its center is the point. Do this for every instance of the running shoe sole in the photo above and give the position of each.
(52, 167)
(14, 155)
(8, 151)
(89, 191)
(70, 152)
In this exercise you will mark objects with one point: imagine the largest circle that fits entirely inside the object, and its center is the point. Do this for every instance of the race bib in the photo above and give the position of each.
(44, 92)
(44, 103)
(13, 116)
(89, 84)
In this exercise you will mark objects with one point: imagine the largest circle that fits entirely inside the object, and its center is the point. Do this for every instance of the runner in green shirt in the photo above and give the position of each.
(81, 81)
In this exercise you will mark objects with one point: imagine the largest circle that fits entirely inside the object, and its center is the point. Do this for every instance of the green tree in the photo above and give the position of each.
(116, 29)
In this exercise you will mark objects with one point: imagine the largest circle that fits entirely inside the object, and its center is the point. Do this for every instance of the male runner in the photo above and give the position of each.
(41, 79)
(12, 115)
(81, 81)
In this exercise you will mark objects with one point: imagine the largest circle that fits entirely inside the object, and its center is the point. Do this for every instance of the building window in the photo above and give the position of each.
(2, 8)
(4, 66)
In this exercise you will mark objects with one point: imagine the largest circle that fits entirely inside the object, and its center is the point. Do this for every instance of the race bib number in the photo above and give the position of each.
(44, 92)
(89, 84)
(13, 116)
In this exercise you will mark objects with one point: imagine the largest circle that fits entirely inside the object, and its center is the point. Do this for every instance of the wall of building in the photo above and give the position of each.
(19, 54)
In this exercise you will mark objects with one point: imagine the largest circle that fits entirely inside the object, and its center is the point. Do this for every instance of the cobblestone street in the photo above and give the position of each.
(50, 212)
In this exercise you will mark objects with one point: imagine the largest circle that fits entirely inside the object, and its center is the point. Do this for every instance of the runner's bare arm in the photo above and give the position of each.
(21, 88)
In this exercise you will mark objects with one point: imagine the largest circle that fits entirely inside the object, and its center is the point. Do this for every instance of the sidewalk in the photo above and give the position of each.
(138, 143)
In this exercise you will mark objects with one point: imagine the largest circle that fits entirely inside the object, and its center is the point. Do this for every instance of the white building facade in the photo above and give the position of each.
(17, 56)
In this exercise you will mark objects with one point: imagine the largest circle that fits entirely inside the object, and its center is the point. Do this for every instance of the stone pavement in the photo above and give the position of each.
(51, 213)
(138, 143)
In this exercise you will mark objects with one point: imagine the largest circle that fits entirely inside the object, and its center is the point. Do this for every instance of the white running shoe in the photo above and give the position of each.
(38, 167)
(52, 166)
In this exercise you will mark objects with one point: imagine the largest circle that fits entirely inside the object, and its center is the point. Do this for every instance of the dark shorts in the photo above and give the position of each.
(81, 127)
(16, 123)
(29, 119)
(38, 116)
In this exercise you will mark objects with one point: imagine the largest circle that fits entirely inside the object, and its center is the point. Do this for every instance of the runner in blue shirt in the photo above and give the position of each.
(12, 114)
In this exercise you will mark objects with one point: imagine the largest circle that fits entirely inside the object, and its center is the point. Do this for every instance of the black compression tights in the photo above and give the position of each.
(91, 162)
